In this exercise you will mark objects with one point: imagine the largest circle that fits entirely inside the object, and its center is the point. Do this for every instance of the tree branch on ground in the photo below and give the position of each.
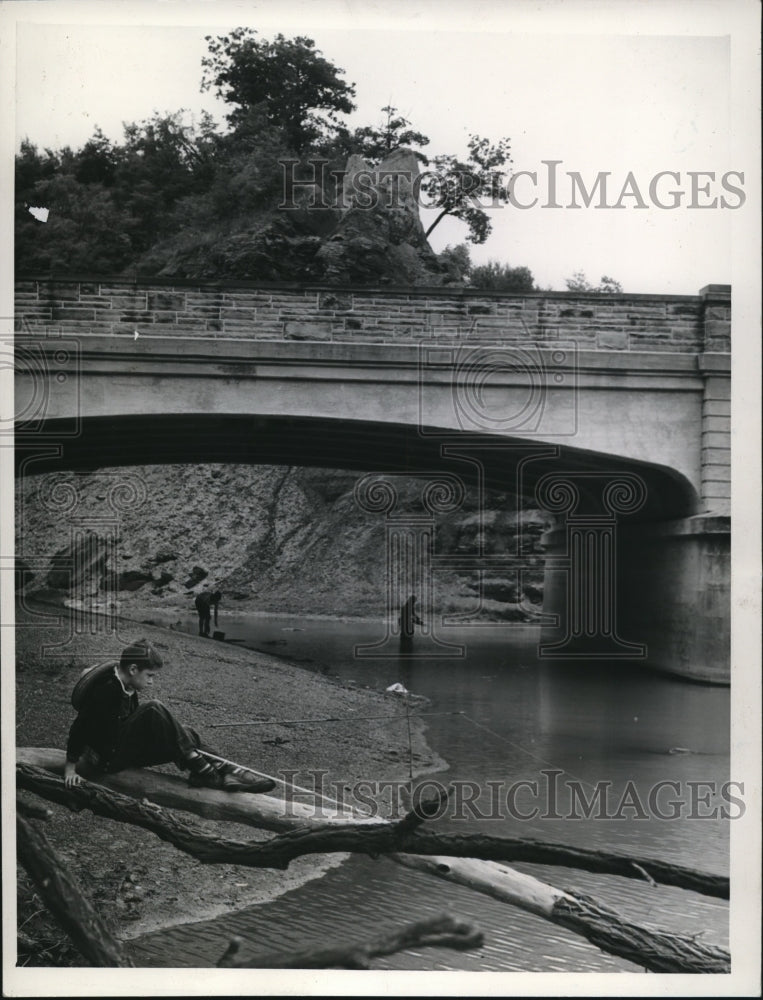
(653, 948)
(32, 810)
(405, 835)
(437, 932)
(66, 901)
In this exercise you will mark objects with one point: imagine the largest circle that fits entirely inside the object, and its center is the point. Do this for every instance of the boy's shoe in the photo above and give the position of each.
(213, 780)
(205, 777)
(241, 779)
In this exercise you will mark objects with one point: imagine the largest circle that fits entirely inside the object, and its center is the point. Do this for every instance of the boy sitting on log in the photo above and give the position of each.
(113, 731)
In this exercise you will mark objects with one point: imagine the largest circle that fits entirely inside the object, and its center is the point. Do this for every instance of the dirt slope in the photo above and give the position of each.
(139, 883)
(270, 538)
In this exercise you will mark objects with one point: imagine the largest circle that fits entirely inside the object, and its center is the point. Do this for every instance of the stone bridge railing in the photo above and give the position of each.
(684, 324)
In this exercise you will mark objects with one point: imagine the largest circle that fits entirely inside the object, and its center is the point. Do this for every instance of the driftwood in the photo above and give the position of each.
(33, 810)
(262, 811)
(658, 952)
(64, 898)
(25, 943)
(405, 835)
(438, 932)
(654, 949)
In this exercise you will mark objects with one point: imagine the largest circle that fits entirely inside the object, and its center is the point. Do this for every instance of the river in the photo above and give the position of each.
(505, 717)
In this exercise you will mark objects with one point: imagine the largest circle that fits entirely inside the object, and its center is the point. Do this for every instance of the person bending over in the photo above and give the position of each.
(205, 602)
(114, 731)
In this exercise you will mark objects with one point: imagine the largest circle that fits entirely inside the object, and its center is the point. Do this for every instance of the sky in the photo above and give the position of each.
(566, 81)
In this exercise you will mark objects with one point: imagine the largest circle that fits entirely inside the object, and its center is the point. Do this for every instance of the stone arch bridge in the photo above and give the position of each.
(612, 412)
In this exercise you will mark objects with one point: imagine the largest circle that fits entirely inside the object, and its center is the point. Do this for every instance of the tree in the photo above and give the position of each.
(171, 188)
(85, 230)
(162, 161)
(457, 261)
(462, 188)
(288, 78)
(110, 202)
(491, 277)
(579, 283)
(497, 277)
(375, 144)
(247, 175)
(96, 161)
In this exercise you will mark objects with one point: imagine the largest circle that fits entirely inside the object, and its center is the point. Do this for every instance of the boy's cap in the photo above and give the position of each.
(142, 653)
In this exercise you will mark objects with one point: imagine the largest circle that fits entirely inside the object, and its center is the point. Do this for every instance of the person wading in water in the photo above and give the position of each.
(408, 618)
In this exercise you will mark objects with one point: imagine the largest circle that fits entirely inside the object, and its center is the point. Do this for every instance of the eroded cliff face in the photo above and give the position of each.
(271, 538)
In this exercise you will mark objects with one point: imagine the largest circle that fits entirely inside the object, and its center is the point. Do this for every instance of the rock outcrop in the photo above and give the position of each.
(369, 234)
(271, 538)
(380, 238)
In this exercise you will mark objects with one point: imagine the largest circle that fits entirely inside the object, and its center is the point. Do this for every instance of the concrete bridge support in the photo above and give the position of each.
(658, 594)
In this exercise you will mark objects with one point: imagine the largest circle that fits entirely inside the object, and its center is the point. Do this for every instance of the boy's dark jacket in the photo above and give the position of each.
(96, 727)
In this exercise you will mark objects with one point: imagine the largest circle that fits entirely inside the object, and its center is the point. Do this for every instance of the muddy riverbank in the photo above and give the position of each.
(139, 883)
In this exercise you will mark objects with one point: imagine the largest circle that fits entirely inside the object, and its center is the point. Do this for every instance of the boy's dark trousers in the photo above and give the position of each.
(152, 735)
(205, 620)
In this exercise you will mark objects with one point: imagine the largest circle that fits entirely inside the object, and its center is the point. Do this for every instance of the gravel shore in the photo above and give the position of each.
(137, 882)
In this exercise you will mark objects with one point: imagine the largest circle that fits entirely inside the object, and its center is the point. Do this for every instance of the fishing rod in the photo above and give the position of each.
(298, 788)
(299, 722)
(280, 781)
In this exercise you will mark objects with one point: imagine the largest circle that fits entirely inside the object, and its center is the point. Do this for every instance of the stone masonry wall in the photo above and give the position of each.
(244, 311)
(716, 401)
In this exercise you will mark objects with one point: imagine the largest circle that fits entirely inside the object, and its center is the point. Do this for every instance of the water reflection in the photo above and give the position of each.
(405, 664)
(508, 717)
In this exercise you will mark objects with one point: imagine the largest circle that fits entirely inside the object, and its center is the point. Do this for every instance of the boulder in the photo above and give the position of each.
(198, 573)
(163, 556)
(380, 238)
(133, 579)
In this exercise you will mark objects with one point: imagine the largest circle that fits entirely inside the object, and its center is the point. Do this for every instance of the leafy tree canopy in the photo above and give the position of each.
(497, 277)
(491, 277)
(288, 78)
(375, 143)
(579, 283)
(457, 260)
(465, 189)
(175, 183)
(109, 202)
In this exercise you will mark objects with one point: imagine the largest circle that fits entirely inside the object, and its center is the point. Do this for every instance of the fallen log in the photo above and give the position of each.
(652, 948)
(64, 898)
(168, 790)
(656, 950)
(438, 932)
(32, 810)
(407, 835)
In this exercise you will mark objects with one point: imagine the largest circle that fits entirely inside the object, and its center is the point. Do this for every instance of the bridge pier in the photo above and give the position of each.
(670, 603)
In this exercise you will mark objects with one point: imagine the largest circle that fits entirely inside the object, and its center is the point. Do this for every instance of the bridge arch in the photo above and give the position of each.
(508, 464)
